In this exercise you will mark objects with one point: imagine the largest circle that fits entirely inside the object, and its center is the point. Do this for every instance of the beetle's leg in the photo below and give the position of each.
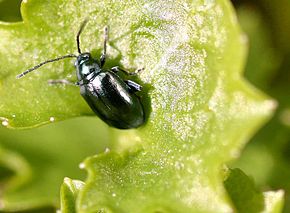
(103, 56)
(60, 81)
(134, 87)
(117, 69)
(80, 83)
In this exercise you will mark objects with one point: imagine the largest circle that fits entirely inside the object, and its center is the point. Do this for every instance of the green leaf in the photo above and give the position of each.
(247, 198)
(191, 131)
(69, 192)
(34, 102)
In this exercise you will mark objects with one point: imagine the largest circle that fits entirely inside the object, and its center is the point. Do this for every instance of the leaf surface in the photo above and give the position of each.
(200, 112)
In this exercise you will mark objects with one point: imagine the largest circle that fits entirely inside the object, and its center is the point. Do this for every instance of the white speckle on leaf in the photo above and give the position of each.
(235, 153)
(198, 19)
(179, 165)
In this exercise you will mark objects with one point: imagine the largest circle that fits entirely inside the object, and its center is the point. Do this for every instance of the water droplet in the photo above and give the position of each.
(5, 123)
(13, 116)
(107, 150)
(51, 119)
(82, 165)
(114, 195)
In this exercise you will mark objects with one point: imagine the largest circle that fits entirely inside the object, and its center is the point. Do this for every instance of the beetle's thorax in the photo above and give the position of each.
(85, 66)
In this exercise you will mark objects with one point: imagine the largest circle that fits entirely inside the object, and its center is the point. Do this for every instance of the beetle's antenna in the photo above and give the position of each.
(45, 62)
(104, 54)
(79, 33)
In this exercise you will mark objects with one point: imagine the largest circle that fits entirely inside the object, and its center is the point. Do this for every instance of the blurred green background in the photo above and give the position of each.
(27, 158)
(266, 158)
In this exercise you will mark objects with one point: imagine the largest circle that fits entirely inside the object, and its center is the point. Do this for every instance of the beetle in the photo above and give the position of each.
(111, 97)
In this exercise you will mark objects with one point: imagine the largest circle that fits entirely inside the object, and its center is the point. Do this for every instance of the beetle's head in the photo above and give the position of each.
(84, 65)
(82, 58)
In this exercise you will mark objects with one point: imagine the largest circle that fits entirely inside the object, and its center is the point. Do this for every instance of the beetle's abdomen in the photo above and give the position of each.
(109, 97)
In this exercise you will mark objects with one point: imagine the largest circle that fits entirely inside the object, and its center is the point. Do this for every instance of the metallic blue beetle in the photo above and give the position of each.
(112, 98)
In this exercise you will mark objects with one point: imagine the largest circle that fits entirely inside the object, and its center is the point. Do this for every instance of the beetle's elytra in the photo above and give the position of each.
(111, 97)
